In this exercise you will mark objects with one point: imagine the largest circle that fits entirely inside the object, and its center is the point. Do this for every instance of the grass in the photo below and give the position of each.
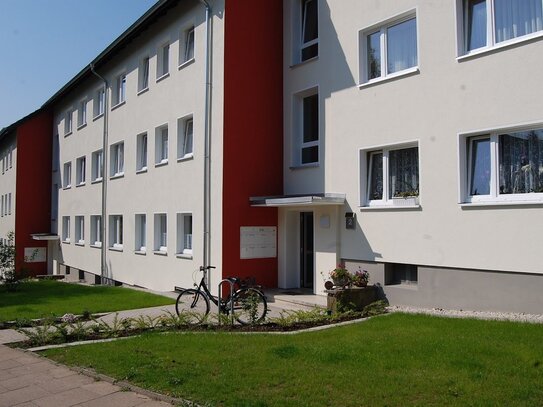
(52, 298)
(397, 360)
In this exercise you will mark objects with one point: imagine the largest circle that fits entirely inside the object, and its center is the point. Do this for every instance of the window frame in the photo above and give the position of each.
(120, 90)
(99, 103)
(303, 23)
(144, 74)
(386, 201)
(163, 61)
(162, 136)
(68, 122)
(140, 235)
(80, 230)
(96, 231)
(142, 152)
(116, 232)
(97, 166)
(161, 233)
(382, 27)
(182, 129)
(82, 114)
(117, 160)
(80, 171)
(465, 151)
(181, 247)
(67, 175)
(187, 46)
(298, 144)
(66, 229)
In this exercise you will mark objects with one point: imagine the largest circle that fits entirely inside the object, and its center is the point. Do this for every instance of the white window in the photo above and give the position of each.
(96, 230)
(97, 165)
(10, 157)
(185, 138)
(2, 209)
(68, 122)
(504, 166)
(390, 176)
(163, 61)
(307, 128)
(486, 23)
(81, 170)
(67, 175)
(310, 29)
(9, 203)
(82, 114)
(117, 160)
(389, 49)
(116, 231)
(161, 145)
(184, 233)
(66, 229)
(187, 51)
(143, 74)
(120, 89)
(161, 232)
(99, 102)
(141, 233)
(80, 230)
(141, 152)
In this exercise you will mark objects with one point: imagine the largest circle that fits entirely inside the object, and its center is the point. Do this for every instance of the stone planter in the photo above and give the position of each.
(354, 298)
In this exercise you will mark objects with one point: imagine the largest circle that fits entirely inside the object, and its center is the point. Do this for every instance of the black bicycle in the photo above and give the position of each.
(249, 302)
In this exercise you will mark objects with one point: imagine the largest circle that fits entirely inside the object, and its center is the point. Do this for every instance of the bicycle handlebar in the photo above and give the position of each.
(202, 268)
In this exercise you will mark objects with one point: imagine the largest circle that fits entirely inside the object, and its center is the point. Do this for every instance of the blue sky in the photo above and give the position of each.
(44, 43)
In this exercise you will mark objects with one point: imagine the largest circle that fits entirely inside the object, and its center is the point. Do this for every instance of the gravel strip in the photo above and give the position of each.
(488, 315)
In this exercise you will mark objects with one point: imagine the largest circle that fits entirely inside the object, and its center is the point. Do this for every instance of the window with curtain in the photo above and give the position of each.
(489, 22)
(390, 48)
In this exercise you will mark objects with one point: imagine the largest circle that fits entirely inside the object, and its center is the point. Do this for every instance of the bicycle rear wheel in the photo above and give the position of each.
(250, 306)
(193, 305)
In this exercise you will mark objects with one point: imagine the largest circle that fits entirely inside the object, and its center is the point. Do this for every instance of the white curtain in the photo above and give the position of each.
(515, 18)
(404, 171)
(402, 46)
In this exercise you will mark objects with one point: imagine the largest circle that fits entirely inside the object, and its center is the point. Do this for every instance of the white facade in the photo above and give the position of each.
(8, 170)
(156, 102)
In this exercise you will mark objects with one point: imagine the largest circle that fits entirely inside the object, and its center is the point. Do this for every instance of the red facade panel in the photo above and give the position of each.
(253, 128)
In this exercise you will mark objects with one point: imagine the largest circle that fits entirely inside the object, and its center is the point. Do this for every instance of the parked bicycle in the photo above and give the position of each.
(249, 302)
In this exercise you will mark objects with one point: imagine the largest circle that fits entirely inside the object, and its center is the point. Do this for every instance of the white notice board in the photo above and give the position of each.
(258, 242)
(35, 254)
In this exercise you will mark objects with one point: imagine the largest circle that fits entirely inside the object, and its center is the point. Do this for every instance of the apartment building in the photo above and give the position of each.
(277, 139)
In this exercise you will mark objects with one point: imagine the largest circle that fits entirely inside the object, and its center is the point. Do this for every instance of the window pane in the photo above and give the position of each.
(403, 178)
(376, 176)
(521, 162)
(311, 118)
(310, 155)
(310, 28)
(374, 55)
(189, 45)
(480, 167)
(402, 46)
(475, 24)
(310, 52)
(514, 18)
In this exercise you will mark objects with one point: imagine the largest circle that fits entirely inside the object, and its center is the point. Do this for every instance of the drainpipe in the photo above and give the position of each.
(207, 146)
(103, 268)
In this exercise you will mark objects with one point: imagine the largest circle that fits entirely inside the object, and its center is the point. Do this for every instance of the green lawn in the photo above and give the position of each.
(46, 298)
(396, 360)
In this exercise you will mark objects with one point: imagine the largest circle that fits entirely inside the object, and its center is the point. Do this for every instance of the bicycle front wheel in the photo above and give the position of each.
(250, 306)
(192, 305)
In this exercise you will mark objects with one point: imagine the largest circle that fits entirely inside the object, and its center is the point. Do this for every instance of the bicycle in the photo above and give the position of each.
(250, 304)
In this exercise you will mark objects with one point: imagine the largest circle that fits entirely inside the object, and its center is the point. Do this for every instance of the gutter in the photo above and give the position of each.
(103, 267)
(207, 146)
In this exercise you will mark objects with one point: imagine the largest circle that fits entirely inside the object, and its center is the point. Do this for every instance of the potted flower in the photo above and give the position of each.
(360, 278)
(340, 276)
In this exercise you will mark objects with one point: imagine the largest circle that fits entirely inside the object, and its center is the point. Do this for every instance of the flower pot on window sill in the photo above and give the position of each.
(405, 201)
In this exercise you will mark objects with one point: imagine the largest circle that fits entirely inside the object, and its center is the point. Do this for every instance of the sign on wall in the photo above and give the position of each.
(258, 242)
(35, 254)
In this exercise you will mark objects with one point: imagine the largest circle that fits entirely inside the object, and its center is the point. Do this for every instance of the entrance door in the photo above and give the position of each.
(306, 250)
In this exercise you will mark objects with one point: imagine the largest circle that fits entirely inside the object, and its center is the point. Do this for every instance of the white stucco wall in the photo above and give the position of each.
(8, 182)
(173, 188)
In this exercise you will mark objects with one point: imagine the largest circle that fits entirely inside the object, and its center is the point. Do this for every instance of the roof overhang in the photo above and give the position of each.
(45, 236)
(298, 200)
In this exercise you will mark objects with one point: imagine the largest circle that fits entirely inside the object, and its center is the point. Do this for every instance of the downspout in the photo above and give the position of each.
(103, 267)
(207, 146)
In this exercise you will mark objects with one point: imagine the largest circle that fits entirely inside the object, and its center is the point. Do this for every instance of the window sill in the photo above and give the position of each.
(97, 117)
(404, 286)
(500, 46)
(140, 252)
(80, 243)
(68, 134)
(96, 246)
(118, 105)
(81, 126)
(388, 207)
(116, 249)
(184, 256)
(66, 241)
(162, 163)
(186, 63)
(96, 181)
(160, 252)
(141, 170)
(397, 75)
(116, 176)
(80, 184)
(303, 166)
(142, 91)
(307, 61)
(161, 78)
(467, 205)
(186, 157)
(67, 187)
